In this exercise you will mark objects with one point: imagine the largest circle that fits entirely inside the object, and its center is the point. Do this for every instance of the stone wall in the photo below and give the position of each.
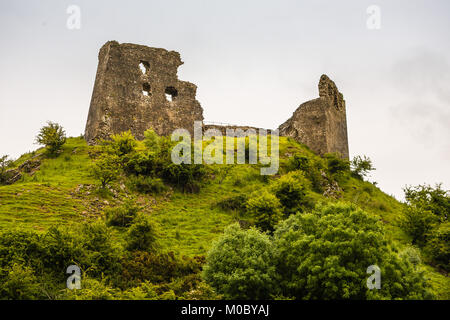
(132, 91)
(321, 123)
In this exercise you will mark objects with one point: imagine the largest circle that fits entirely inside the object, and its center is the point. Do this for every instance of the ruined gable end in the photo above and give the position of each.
(321, 123)
(137, 88)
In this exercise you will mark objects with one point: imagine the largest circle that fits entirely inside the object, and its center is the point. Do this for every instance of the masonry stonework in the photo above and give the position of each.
(321, 123)
(136, 88)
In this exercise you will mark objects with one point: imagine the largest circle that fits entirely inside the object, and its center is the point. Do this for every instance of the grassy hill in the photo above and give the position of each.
(62, 191)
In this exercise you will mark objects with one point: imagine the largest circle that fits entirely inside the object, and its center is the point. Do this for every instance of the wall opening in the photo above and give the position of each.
(171, 93)
(146, 90)
(144, 66)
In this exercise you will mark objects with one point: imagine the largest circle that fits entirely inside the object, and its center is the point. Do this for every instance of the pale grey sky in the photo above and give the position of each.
(254, 62)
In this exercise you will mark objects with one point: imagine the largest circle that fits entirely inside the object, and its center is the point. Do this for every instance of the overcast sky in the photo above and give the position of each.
(254, 63)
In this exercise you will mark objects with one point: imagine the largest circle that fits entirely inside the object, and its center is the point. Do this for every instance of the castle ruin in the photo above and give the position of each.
(137, 88)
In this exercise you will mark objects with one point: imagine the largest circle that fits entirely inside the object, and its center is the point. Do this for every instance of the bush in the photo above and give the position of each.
(311, 169)
(145, 184)
(237, 202)
(121, 144)
(438, 246)
(241, 265)
(336, 165)
(361, 166)
(141, 235)
(291, 190)
(122, 216)
(436, 200)
(325, 255)
(417, 223)
(140, 266)
(265, 209)
(20, 283)
(52, 136)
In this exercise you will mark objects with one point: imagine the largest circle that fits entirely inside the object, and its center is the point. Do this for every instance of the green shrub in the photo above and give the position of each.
(417, 223)
(184, 176)
(265, 208)
(311, 169)
(237, 202)
(325, 255)
(337, 166)
(145, 184)
(164, 267)
(121, 144)
(122, 216)
(291, 190)
(141, 235)
(436, 200)
(241, 265)
(52, 136)
(20, 283)
(438, 246)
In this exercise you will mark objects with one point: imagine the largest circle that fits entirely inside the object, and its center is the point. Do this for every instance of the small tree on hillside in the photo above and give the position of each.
(4, 164)
(361, 166)
(52, 136)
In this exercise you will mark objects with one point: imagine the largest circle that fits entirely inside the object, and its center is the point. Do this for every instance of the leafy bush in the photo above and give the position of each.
(141, 235)
(325, 255)
(184, 176)
(237, 202)
(417, 223)
(241, 265)
(20, 283)
(121, 144)
(438, 246)
(52, 136)
(266, 210)
(435, 200)
(164, 267)
(311, 169)
(145, 184)
(122, 216)
(336, 165)
(291, 190)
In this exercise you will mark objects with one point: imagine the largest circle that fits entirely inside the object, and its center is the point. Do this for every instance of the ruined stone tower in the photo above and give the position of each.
(136, 87)
(321, 123)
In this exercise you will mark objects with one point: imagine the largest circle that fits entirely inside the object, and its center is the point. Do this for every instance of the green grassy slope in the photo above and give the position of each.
(63, 192)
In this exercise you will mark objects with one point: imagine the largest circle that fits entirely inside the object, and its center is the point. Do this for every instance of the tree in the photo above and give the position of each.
(106, 169)
(241, 265)
(52, 136)
(325, 255)
(361, 166)
(438, 246)
(435, 200)
(265, 209)
(4, 164)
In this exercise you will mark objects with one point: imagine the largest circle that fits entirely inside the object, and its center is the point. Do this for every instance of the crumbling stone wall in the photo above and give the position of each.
(321, 123)
(136, 87)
